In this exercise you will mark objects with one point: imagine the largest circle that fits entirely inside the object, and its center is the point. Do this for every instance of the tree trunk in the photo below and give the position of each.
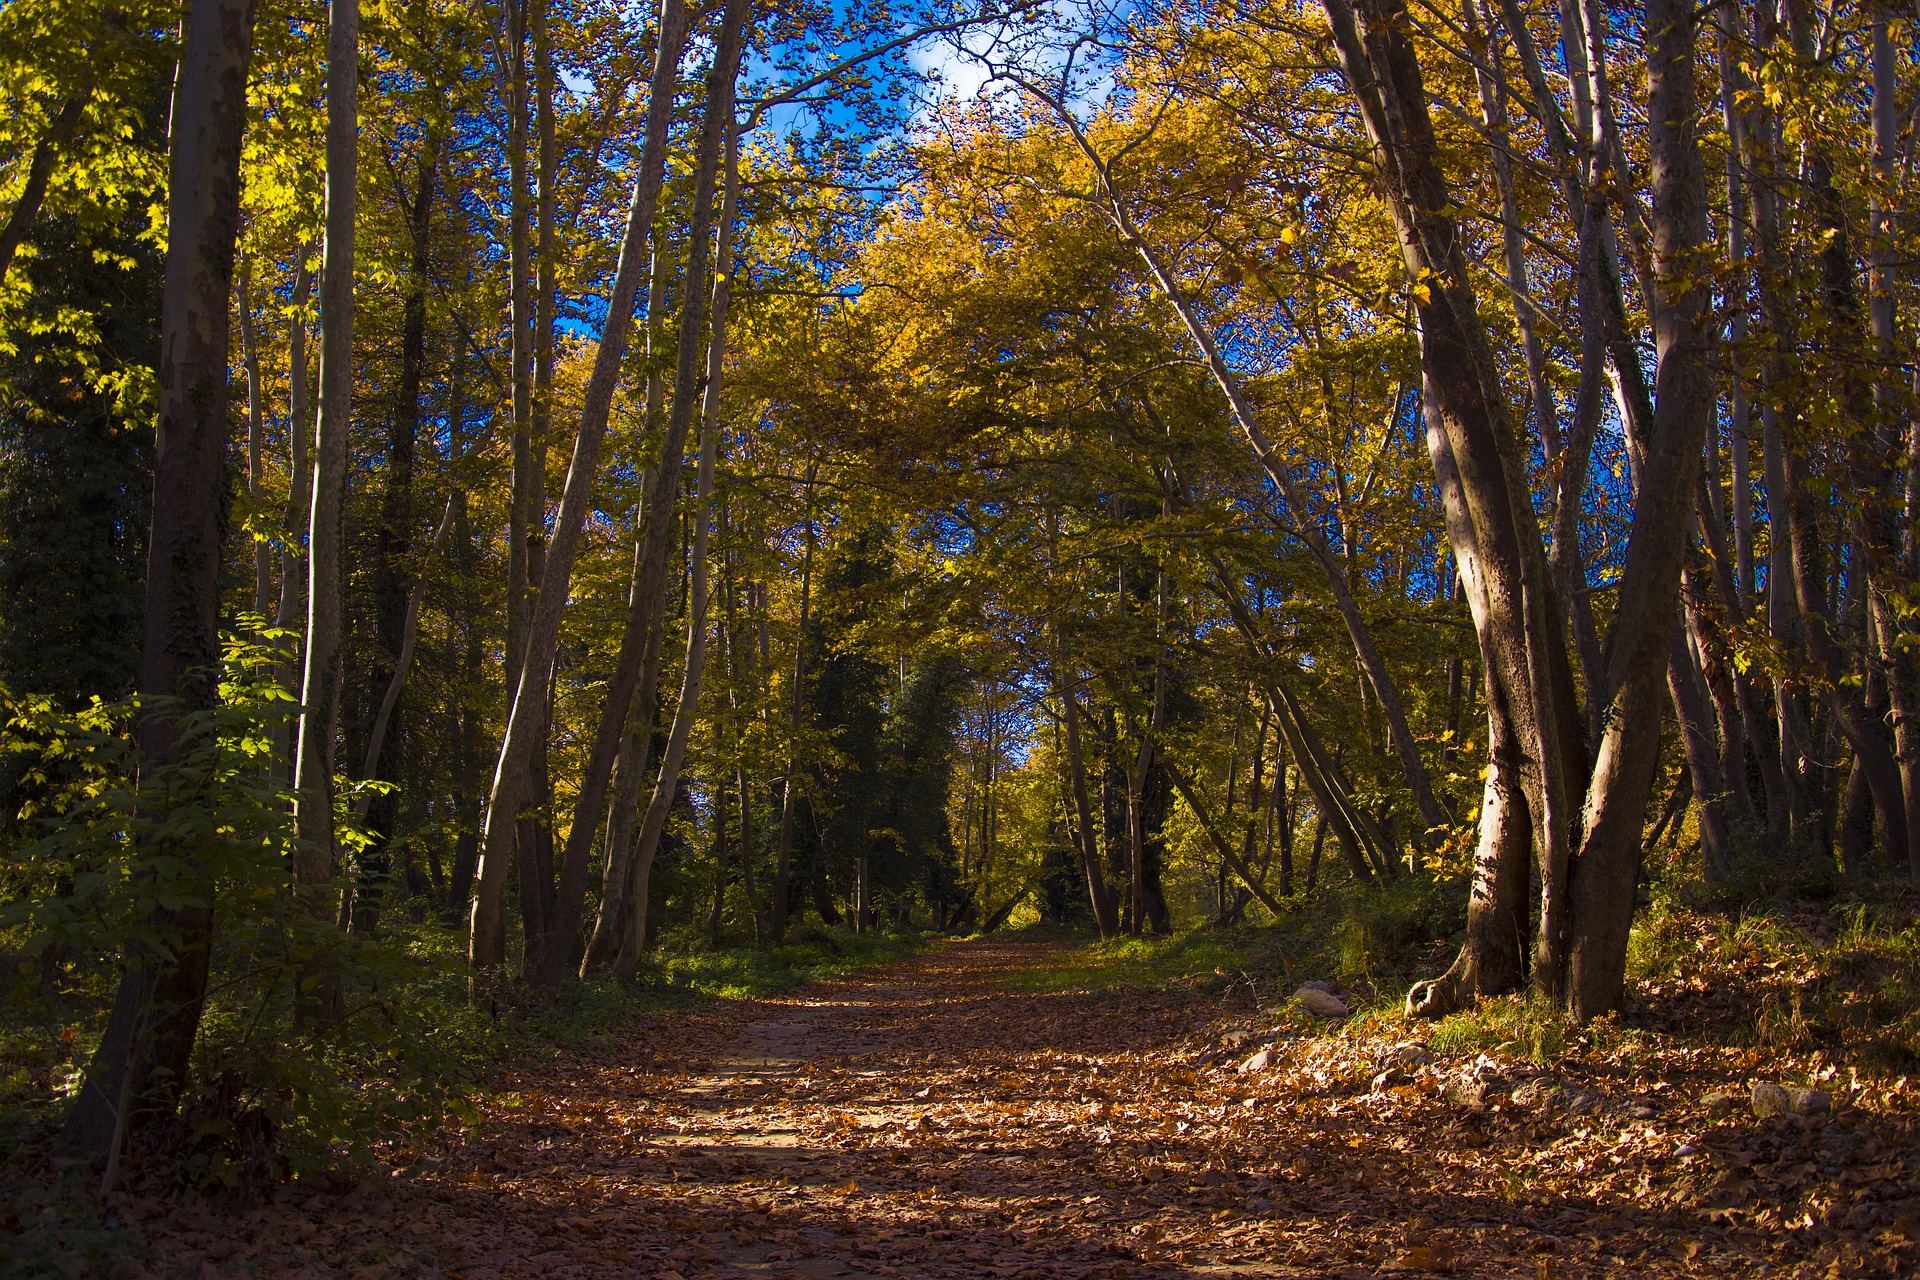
(256, 418)
(398, 584)
(319, 686)
(140, 1067)
(789, 791)
(634, 944)
(716, 134)
(1640, 643)
(1086, 837)
(527, 718)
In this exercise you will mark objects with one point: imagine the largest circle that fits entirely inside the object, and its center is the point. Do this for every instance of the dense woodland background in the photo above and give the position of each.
(578, 485)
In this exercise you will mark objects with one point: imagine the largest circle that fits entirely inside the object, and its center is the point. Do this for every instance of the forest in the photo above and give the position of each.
(530, 529)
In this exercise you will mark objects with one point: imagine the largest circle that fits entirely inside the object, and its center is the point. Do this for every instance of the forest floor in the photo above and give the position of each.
(958, 1114)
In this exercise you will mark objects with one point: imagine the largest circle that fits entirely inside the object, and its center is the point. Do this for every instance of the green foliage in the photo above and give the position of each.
(1375, 943)
(746, 972)
(269, 1097)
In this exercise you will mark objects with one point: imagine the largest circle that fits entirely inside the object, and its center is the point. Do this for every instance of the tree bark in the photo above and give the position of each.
(256, 420)
(634, 944)
(789, 791)
(527, 717)
(319, 686)
(143, 1055)
(1640, 641)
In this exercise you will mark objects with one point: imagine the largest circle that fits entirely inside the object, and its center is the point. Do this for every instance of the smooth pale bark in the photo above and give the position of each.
(319, 684)
(696, 338)
(636, 744)
(139, 1070)
(630, 770)
(789, 788)
(594, 781)
(293, 582)
(526, 721)
(39, 171)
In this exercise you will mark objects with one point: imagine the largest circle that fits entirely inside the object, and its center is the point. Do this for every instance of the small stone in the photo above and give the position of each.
(1723, 1101)
(1809, 1102)
(1260, 1061)
(1537, 1094)
(1321, 1003)
(1403, 1057)
(1769, 1099)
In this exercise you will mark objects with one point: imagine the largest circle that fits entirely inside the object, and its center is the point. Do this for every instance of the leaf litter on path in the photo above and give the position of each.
(927, 1119)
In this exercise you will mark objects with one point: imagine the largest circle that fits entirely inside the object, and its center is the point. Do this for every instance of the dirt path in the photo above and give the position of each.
(929, 1119)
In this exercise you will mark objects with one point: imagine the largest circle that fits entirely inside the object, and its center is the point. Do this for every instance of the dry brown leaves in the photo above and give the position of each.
(926, 1120)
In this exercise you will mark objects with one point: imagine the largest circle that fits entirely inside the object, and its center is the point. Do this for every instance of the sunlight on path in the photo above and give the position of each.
(931, 1119)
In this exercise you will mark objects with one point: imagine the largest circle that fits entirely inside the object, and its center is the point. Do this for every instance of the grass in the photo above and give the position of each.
(744, 972)
(1823, 964)
(1373, 945)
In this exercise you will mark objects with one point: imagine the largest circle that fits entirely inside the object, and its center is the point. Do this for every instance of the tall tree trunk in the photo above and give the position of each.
(140, 1067)
(527, 718)
(716, 132)
(256, 424)
(634, 944)
(293, 579)
(319, 685)
(1085, 835)
(1640, 640)
(397, 584)
(789, 789)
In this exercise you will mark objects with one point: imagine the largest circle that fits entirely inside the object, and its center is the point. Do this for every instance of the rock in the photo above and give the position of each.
(1809, 1102)
(1315, 985)
(1403, 1057)
(1321, 1003)
(1548, 1096)
(1769, 1099)
(1260, 1061)
(1535, 1094)
(1723, 1102)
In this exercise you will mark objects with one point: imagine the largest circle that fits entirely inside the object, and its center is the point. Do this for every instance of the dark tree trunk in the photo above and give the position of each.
(138, 1071)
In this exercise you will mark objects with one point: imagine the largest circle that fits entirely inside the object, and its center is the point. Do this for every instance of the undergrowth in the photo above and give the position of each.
(1780, 955)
